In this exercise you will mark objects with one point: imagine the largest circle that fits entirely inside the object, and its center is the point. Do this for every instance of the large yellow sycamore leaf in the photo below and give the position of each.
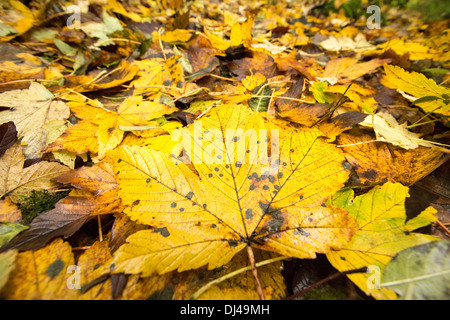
(228, 201)
(383, 232)
(419, 86)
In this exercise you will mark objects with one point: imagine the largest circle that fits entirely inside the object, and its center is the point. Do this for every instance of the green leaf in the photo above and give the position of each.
(420, 272)
(64, 47)
(261, 101)
(9, 230)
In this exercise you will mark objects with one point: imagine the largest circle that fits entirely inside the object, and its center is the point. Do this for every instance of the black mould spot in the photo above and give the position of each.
(119, 161)
(263, 206)
(148, 180)
(271, 179)
(252, 187)
(301, 231)
(248, 213)
(238, 164)
(292, 150)
(232, 243)
(236, 139)
(189, 195)
(181, 209)
(163, 231)
(204, 206)
(216, 169)
(135, 203)
(173, 204)
(300, 197)
(55, 268)
(280, 174)
(265, 187)
(213, 225)
(210, 175)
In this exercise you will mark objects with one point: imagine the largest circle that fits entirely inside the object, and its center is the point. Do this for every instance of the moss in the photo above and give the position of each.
(37, 202)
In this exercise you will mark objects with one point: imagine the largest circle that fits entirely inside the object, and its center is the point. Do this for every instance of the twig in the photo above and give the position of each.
(443, 227)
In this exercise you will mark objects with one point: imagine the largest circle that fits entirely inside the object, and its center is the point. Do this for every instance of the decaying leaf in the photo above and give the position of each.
(421, 272)
(16, 180)
(29, 109)
(373, 161)
(277, 208)
(41, 274)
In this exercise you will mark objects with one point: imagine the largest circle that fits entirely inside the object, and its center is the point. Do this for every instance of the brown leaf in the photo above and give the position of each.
(259, 62)
(8, 136)
(374, 161)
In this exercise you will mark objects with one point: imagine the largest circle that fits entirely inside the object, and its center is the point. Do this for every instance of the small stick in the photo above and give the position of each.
(251, 258)
(440, 224)
(100, 234)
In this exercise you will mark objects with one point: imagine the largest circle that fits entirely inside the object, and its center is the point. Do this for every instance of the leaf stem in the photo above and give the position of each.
(251, 258)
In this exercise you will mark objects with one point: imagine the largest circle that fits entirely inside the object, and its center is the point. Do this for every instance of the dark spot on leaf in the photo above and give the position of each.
(280, 174)
(232, 243)
(292, 150)
(181, 209)
(213, 225)
(236, 139)
(252, 187)
(163, 231)
(189, 195)
(271, 179)
(110, 130)
(238, 164)
(248, 214)
(55, 268)
(204, 206)
(119, 161)
(173, 204)
(302, 232)
(148, 180)
(135, 203)
(370, 174)
(216, 169)
(167, 82)
(266, 187)
(210, 175)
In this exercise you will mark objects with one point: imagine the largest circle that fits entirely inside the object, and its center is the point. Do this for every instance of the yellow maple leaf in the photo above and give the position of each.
(207, 216)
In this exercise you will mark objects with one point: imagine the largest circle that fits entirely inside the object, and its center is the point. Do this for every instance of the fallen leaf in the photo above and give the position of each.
(348, 69)
(41, 274)
(420, 272)
(16, 180)
(373, 161)
(383, 232)
(29, 109)
(277, 211)
(419, 86)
